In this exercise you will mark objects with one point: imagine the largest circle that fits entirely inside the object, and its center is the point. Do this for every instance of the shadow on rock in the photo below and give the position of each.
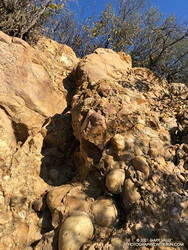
(69, 85)
(58, 146)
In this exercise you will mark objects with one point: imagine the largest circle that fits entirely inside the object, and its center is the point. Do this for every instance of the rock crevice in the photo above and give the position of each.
(93, 151)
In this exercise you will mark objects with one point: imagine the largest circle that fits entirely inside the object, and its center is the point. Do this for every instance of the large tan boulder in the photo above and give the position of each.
(102, 64)
(27, 93)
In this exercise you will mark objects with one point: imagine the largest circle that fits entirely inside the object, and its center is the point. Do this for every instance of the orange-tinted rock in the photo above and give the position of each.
(27, 93)
(101, 65)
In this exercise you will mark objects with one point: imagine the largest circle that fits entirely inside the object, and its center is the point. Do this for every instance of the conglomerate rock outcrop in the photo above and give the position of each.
(93, 151)
(135, 122)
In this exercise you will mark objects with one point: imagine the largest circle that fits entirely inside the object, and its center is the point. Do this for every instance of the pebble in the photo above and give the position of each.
(114, 180)
(75, 231)
(139, 163)
(105, 212)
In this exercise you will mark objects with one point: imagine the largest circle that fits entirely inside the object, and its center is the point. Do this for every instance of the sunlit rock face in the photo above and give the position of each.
(93, 151)
(29, 97)
(129, 119)
(114, 118)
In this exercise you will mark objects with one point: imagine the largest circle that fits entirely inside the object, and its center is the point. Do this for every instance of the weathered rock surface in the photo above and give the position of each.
(105, 212)
(115, 118)
(105, 173)
(75, 231)
(115, 180)
(29, 98)
(101, 65)
(58, 59)
(27, 93)
(136, 122)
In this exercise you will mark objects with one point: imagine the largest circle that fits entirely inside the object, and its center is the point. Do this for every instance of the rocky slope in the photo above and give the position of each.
(93, 152)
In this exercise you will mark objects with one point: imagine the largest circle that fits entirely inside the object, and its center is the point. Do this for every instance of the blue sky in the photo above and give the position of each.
(86, 8)
(177, 7)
